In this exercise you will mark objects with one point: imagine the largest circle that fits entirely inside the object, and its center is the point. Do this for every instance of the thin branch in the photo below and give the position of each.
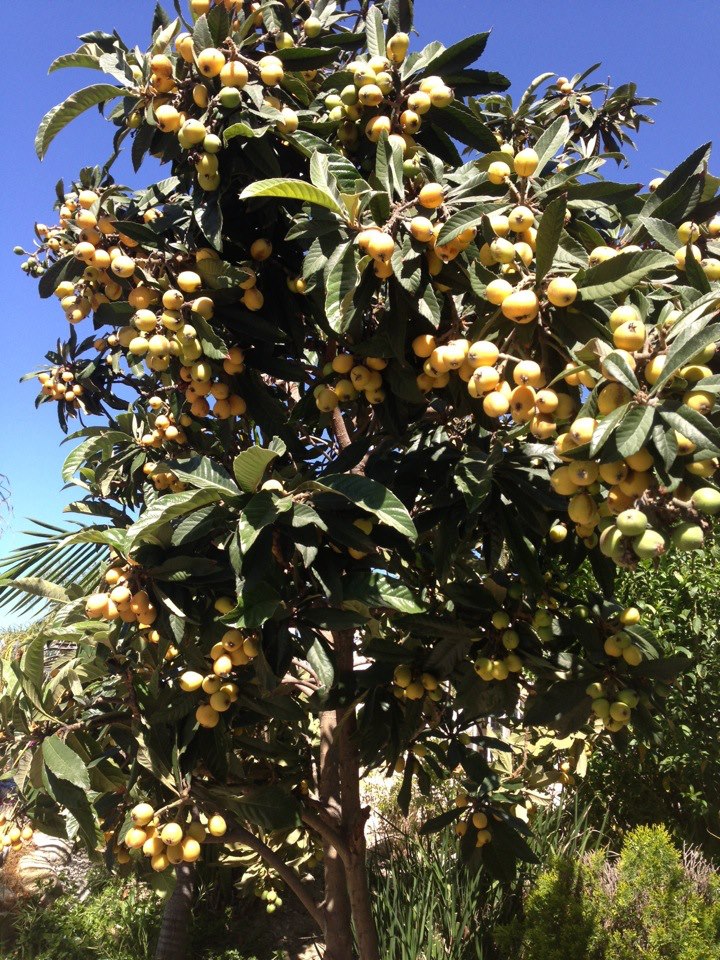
(340, 429)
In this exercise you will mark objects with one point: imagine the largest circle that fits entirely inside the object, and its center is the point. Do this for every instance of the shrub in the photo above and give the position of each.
(652, 903)
(118, 921)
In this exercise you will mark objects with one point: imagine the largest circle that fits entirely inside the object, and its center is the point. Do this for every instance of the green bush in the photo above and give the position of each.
(665, 769)
(651, 903)
(117, 921)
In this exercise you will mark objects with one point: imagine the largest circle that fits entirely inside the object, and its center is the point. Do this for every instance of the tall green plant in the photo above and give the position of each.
(665, 771)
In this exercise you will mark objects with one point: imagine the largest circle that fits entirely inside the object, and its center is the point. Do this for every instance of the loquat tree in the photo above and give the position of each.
(380, 359)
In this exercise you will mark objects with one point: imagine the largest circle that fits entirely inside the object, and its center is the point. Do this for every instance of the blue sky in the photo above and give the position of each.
(669, 50)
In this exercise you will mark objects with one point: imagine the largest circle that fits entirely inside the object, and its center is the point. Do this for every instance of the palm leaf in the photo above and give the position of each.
(37, 574)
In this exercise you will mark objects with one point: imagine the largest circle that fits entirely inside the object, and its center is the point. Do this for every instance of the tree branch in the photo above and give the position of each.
(285, 872)
(327, 832)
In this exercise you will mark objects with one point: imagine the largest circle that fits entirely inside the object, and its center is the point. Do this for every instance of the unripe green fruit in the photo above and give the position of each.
(631, 523)
(542, 619)
(500, 620)
(212, 143)
(688, 536)
(545, 634)
(312, 27)
(601, 708)
(629, 697)
(650, 544)
(706, 500)
(595, 690)
(229, 98)
(510, 639)
(611, 542)
(620, 712)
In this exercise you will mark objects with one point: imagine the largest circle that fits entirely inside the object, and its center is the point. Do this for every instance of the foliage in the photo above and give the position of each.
(319, 496)
(117, 920)
(666, 774)
(428, 905)
(652, 902)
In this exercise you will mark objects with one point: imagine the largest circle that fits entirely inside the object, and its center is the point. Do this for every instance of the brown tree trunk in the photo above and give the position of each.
(354, 816)
(173, 939)
(336, 905)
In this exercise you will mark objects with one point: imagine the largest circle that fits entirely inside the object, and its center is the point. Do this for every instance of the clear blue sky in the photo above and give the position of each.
(669, 50)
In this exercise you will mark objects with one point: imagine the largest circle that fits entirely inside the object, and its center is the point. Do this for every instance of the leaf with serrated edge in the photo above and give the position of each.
(682, 353)
(620, 273)
(694, 427)
(634, 430)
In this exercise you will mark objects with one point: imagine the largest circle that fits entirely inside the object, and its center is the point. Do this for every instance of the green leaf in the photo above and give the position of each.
(469, 217)
(258, 513)
(551, 141)
(458, 56)
(548, 236)
(662, 232)
(167, 508)
(683, 351)
(620, 273)
(694, 427)
(605, 428)
(694, 273)
(321, 663)
(340, 287)
(87, 57)
(296, 59)
(379, 590)
(619, 369)
(213, 345)
(435, 824)
(250, 465)
(270, 808)
(33, 661)
(400, 15)
(239, 129)
(375, 32)
(202, 473)
(462, 124)
(81, 454)
(292, 190)
(373, 497)
(38, 587)
(634, 430)
(61, 115)
(64, 763)
(66, 268)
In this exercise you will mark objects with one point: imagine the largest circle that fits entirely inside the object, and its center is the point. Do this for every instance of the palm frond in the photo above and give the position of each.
(52, 569)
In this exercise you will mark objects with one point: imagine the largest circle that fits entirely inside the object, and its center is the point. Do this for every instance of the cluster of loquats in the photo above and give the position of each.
(126, 598)
(415, 684)
(380, 101)
(617, 497)
(168, 319)
(234, 650)
(499, 659)
(14, 833)
(353, 376)
(59, 384)
(477, 822)
(167, 843)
